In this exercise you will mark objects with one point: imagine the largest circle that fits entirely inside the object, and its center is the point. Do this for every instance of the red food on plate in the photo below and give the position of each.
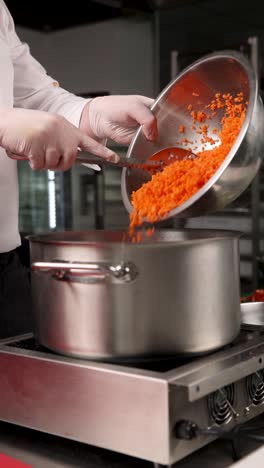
(257, 296)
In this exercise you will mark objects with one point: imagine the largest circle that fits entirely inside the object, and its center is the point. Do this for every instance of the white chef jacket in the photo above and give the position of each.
(24, 83)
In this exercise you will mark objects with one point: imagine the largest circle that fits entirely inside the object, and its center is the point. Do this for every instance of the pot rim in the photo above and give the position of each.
(212, 235)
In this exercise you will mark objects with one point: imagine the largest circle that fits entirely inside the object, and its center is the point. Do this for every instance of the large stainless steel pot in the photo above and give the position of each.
(97, 296)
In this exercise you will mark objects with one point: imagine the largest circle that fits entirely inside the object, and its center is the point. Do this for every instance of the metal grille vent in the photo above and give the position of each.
(255, 387)
(220, 405)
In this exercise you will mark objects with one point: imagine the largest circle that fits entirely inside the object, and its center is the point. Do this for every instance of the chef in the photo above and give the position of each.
(47, 124)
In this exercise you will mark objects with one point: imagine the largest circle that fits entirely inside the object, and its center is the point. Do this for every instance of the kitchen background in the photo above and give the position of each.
(132, 47)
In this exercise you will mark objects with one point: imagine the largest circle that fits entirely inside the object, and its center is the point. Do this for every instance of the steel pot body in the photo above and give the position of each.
(97, 296)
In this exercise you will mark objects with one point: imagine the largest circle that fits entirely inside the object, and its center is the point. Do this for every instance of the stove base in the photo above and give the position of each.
(131, 410)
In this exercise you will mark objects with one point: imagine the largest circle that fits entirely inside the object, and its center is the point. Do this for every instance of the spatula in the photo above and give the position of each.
(154, 163)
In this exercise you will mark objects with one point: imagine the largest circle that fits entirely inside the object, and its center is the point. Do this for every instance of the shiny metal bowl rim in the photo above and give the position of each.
(252, 100)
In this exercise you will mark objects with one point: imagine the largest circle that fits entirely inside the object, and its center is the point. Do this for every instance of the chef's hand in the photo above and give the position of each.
(118, 118)
(49, 141)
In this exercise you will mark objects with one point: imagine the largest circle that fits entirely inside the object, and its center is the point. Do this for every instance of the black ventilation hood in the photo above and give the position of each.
(50, 15)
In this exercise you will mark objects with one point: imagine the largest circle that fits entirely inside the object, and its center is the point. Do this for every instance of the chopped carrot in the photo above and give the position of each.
(182, 129)
(204, 129)
(150, 232)
(194, 115)
(183, 178)
(201, 116)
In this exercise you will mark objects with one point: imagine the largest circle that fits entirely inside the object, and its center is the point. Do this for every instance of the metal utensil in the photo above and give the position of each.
(155, 163)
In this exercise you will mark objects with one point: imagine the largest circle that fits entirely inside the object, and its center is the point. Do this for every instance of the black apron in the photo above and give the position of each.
(15, 297)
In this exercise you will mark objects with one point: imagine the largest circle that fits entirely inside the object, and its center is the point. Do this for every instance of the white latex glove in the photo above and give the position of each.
(118, 118)
(49, 141)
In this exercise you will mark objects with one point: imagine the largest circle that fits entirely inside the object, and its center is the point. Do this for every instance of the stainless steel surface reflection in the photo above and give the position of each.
(252, 313)
(220, 72)
(178, 292)
(126, 409)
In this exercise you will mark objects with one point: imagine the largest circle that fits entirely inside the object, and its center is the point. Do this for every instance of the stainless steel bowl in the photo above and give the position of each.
(252, 313)
(221, 72)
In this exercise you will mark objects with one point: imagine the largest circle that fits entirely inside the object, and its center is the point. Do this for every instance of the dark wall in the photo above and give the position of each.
(196, 29)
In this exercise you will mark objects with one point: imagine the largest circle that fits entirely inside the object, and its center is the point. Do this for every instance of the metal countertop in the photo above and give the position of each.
(47, 451)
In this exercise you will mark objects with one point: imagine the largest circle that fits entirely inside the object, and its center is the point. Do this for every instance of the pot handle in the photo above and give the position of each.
(64, 270)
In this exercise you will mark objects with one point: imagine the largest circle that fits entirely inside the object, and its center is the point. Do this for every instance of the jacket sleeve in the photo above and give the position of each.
(33, 88)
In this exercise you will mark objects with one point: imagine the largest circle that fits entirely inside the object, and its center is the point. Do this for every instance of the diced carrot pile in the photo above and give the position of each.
(182, 179)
